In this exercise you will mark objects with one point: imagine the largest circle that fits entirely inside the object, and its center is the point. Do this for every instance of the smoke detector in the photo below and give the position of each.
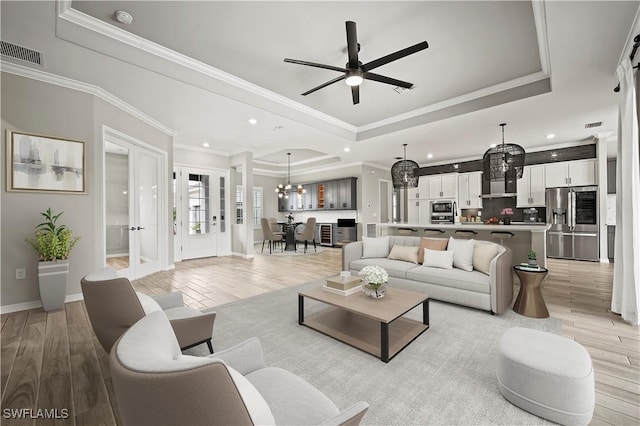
(124, 17)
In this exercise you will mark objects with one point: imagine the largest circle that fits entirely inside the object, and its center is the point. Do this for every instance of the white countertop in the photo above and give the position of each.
(542, 227)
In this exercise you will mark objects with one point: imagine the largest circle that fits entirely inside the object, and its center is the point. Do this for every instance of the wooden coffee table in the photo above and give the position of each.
(376, 326)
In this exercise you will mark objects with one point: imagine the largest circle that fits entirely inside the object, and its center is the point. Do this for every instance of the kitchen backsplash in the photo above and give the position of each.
(491, 207)
(321, 216)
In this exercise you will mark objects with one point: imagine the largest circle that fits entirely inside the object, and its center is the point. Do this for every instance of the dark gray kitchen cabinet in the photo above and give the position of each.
(347, 194)
(339, 194)
(331, 195)
(311, 196)
(611, 176)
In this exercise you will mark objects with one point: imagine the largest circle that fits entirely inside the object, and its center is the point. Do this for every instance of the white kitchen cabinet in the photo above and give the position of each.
(418, 211)
(469, 190)
(531, 188)
(443, 186)
(421, 192)
(571, 173)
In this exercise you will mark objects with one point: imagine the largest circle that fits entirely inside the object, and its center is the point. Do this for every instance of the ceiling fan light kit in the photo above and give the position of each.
(497, 161)
(355, 72)
(404, 173)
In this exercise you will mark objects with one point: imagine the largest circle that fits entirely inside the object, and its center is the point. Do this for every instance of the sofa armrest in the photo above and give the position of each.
(501, 276)
(350, 252)
(244, 357)
(351, 416)
(170, 300)
(192, 329)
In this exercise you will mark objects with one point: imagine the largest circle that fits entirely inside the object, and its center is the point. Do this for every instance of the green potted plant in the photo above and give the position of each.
(53, 243)
(533, 258)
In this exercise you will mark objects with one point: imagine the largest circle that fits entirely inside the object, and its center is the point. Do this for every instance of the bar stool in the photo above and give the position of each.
(430, 232)
(467, 233)
(501, 235)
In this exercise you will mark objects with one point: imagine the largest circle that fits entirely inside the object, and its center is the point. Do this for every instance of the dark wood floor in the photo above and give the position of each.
(53, 360)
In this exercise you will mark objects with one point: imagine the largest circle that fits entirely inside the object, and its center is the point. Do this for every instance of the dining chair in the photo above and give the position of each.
(308, 234)
(268, 235)
(275, 227)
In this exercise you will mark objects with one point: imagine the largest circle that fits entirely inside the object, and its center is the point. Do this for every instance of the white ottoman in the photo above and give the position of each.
(547, 375)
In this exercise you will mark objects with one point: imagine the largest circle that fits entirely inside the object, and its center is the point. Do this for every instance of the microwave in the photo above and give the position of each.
(442, 208)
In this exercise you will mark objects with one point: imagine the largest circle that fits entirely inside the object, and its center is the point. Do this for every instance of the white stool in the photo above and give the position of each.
(547, 375)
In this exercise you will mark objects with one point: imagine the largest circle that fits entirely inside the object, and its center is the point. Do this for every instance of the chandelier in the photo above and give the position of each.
(284, 190)
(404, 173)
(499, 160)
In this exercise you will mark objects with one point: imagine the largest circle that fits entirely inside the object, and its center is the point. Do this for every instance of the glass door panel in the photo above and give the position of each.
(147, 209)
(117, 206)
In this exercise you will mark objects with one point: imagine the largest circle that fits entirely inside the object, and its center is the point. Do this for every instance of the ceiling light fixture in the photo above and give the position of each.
(404, 173)
(497, 161)
(551, 136)
(347, 149)
(284, 190)
(354, 78)
(124, 17)
(252, 121)
(205, 144)
(429, 155)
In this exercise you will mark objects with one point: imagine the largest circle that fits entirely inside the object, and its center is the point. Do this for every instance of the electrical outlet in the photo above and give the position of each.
(21, 274)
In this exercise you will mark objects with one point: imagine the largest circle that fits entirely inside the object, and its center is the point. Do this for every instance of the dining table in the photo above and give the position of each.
(289, 229)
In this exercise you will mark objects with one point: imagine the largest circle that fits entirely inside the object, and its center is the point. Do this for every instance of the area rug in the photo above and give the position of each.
(279, 252)
(446, 376)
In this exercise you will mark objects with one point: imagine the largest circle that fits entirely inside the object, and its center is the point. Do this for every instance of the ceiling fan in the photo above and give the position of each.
(355, 71)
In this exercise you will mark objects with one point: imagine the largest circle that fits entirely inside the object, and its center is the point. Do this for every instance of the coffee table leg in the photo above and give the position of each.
(425, 312)
(300, 309)
(384, 341)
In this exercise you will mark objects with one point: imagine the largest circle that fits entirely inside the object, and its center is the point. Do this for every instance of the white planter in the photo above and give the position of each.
(52, 280)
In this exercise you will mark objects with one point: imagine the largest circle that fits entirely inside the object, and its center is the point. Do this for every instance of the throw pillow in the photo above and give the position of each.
(462, 253)
(375, 247)
(406, 253)
(438, 259)
(258, 408)
(483, 254)
(431, 244)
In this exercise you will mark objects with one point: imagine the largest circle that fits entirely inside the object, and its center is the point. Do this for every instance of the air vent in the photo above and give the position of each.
(594, 124)
(21, 53)
(401, 90)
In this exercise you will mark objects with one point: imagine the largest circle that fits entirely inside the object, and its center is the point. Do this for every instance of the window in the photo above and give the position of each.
(257, 205)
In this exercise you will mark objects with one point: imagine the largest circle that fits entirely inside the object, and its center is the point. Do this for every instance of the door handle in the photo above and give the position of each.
(133, 228)
(139, 228)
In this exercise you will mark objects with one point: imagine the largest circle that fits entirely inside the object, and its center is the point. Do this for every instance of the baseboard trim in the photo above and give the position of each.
(25, 306)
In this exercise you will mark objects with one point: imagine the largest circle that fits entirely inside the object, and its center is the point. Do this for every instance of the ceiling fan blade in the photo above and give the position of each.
(335, 80)
(395, 56)
(387, 80)
(313, 64)
(355, 94)
(352, 44)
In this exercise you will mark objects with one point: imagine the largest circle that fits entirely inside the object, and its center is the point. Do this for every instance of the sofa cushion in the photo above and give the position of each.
(454, 278)
(431, 244)
(483, 254)
(406, 253)
(258, 408)
(438, 258)
(292, 400)
(395, 268)
(375, 247)
(462, 253)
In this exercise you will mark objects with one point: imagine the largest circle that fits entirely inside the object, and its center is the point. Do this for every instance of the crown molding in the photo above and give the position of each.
(46, 77)
(200, 149)
(66, 12)
(540, 20)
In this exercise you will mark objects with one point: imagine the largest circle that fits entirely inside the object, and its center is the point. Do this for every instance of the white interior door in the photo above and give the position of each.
(201, 206)
(133, 202)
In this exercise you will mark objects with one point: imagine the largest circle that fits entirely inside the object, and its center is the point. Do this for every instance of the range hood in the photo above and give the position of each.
(501, 189)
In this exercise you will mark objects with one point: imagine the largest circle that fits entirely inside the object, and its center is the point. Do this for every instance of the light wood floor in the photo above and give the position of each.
(53, 360)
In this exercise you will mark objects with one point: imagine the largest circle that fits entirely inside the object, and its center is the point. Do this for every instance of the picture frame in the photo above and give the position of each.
(39, 163)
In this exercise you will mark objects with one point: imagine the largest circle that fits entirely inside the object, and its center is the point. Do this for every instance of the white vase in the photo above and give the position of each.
(52, 280)
(374, 293)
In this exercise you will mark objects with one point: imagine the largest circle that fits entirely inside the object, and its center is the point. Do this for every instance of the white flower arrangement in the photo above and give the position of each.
(375, 276)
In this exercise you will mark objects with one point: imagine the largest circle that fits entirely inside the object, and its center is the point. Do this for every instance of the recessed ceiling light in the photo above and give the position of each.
(429, 155)
(551, 136)
(554, 154)
(347, 149)
(493, 145)
(456, 166)
(253, 121)
(124, 17)
(205, 144)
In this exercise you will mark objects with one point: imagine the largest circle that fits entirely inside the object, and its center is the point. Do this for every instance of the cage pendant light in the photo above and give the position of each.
(404, 173)
(504, 158)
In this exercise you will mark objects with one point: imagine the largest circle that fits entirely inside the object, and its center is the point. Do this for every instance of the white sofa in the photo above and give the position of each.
(492, 292)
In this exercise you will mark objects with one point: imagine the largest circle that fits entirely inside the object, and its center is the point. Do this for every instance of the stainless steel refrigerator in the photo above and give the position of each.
(573, 215)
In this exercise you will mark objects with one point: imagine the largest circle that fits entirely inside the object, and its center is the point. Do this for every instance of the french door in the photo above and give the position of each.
(201, 228)
(133, 205)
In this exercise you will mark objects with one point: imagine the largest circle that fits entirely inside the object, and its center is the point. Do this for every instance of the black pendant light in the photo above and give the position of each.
(503, 159)
(404, 173)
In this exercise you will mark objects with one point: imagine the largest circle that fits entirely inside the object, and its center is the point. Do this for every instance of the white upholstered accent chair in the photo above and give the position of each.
(308, 234)
(113, 306)
(154, 383)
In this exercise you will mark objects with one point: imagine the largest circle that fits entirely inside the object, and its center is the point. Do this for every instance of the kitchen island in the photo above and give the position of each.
(526, 236)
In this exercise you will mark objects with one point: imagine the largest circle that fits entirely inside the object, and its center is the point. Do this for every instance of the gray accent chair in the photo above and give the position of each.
(113, 306)
(154, 383)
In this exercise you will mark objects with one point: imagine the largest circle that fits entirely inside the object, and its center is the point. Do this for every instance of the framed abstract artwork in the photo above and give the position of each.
(37, 163)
